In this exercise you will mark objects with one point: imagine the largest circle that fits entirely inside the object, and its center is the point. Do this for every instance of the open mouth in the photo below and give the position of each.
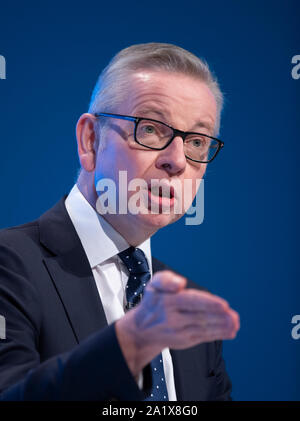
(162, 191)
(161, 198)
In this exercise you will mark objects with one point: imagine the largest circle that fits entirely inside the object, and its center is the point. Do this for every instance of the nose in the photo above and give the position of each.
(172, 159)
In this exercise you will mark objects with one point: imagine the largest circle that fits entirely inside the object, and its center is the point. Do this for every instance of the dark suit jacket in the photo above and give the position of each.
(58, 345)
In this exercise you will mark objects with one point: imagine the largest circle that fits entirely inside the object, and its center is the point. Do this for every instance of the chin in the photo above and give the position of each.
(157, 221)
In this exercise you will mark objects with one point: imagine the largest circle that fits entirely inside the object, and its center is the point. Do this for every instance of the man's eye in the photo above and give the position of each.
(197, 143)
(149, 129)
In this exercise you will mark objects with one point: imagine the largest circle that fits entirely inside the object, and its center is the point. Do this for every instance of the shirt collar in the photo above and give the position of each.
(98, 238)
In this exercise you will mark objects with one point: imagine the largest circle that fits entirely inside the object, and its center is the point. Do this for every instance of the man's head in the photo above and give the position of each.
(156, 81)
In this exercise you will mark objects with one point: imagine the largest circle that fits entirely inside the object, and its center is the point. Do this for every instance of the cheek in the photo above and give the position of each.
(192, 175)
(194, 171)
(117, 157)
(108, 161)
(198, 171)
(137, 162)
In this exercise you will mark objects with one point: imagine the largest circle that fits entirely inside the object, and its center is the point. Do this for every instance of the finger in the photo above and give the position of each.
(167, 281)
(202, 318)
(195, 300)
(212, 333)
(235, 318)
(219, 336)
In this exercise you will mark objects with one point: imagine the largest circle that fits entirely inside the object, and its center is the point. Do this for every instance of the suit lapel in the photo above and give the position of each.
(71, 273)
(69, 269)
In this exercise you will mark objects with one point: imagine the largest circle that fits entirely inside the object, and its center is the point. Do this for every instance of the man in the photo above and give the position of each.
(71, 282)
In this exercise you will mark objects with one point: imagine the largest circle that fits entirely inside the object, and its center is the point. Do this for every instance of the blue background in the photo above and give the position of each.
(247, 249)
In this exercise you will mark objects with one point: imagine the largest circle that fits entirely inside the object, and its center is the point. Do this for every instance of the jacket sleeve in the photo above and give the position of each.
(223, 387)
(94, 370)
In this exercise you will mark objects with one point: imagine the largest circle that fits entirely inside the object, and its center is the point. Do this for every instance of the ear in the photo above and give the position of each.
(86, 137)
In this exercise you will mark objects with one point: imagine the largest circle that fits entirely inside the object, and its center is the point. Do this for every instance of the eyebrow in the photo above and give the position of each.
(163, 114)
(159, 113)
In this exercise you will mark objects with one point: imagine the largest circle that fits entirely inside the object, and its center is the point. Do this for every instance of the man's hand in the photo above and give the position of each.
(172, 316)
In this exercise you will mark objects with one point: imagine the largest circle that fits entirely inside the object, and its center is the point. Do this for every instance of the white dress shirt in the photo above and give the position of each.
(102, 243)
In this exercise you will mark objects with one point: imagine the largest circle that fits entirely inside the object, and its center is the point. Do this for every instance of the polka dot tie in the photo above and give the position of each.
(139, 274)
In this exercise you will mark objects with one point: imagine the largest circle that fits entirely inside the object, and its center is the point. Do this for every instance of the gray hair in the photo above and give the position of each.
(113, 83)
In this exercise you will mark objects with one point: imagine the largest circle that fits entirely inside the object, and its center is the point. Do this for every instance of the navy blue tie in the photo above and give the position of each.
(139, 274)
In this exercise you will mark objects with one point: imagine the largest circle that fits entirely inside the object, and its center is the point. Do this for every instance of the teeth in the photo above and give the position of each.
(161, 192)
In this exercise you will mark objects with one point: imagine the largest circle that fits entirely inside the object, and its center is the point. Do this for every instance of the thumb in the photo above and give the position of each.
(167, 281)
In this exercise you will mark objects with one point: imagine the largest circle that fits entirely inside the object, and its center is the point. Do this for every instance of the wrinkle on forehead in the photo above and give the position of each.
(181, 99)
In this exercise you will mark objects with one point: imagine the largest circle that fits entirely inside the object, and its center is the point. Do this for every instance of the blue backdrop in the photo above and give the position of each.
(247, 249)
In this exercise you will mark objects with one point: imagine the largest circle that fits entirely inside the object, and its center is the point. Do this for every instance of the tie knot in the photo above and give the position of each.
(139, 274)
(135, 260)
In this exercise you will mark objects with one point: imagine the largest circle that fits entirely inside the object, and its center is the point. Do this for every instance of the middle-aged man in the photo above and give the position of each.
(83, 319)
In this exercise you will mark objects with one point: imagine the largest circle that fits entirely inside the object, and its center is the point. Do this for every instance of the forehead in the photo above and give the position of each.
(180, 99)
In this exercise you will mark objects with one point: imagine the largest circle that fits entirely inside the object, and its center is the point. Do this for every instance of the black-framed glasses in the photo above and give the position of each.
(156, 135)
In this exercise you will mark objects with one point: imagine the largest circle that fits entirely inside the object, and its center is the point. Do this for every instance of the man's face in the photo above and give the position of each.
(184, 103)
